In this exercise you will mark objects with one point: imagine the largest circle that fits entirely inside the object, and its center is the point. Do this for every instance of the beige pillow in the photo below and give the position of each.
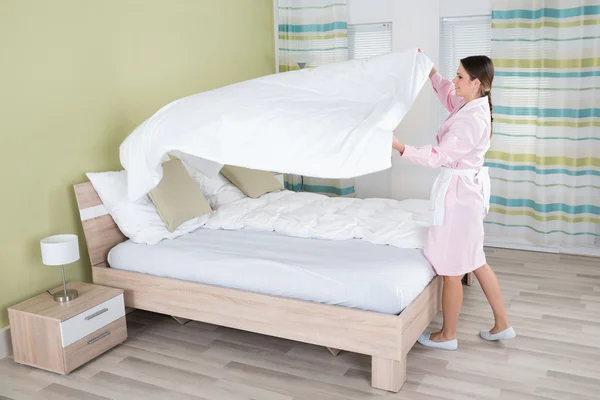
(177, 197)
(254, 183)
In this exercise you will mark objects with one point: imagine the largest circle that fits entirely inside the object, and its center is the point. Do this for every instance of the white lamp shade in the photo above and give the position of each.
(60, 249)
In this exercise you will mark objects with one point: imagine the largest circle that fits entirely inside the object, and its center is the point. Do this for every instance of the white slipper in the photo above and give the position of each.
(508, 333)
(448, 345)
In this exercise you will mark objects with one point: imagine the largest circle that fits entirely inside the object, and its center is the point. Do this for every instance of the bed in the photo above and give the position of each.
(381, 317)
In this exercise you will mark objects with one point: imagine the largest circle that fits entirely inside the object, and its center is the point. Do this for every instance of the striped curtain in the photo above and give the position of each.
(544, 160)
(313, 33)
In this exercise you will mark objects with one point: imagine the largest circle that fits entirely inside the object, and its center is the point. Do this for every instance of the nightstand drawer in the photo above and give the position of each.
(94, 344)
(82, 325)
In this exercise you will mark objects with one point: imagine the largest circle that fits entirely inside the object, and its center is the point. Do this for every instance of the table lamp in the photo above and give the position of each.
(60, 250)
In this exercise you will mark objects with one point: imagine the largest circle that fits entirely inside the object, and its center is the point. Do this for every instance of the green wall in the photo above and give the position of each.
(76, 77)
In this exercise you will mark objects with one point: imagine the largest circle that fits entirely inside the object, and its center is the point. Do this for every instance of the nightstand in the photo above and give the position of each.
(60, 337)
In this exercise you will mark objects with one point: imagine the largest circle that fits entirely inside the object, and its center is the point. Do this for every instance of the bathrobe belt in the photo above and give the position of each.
(442, 182)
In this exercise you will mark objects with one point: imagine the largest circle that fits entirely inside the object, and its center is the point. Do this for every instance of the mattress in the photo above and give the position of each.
(349, 273)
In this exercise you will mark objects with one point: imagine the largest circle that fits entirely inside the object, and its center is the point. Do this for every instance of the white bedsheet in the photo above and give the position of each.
(350, 273)
(334, 121)
(401, 224)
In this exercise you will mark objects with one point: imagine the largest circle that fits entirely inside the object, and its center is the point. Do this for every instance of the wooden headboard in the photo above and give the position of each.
(101, 232)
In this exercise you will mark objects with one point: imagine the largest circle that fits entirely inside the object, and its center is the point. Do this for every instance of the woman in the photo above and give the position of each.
(460, 196)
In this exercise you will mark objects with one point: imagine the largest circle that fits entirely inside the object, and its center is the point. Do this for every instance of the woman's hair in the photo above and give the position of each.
(482, 68)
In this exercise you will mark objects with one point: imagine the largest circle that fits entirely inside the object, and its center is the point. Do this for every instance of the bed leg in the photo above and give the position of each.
(333, 351)
(387, 374)
(182, 321)
(468, 278)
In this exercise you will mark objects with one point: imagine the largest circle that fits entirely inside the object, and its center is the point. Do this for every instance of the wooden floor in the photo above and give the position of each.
(553, 303)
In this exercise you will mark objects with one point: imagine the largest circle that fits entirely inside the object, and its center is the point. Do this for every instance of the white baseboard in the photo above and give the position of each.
(5, 342)
(499, 243)
(579, 251)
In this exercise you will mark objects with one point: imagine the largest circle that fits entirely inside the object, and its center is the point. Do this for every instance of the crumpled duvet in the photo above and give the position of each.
(309, 215)
(333, 121)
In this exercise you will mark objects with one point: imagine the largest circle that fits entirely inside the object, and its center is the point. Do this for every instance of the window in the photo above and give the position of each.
(367, 40)
(461, 37)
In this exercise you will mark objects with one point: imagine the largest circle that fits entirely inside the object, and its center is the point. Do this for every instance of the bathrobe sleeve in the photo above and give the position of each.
(462, 137)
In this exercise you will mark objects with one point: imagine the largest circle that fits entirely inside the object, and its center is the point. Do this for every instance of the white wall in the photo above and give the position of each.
(462, 8)
(414, 24)
(367, 11)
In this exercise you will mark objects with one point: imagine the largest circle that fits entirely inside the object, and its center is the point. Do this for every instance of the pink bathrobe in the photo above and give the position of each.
(455, 246)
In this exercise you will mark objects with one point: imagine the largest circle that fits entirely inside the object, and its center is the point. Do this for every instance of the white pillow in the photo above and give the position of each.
(138, 220)
(205, 167)
(219, 191)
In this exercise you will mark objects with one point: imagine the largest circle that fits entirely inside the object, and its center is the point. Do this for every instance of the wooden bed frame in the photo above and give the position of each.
(386, 338)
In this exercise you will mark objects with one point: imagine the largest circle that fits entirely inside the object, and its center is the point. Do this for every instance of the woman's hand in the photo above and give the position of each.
(432, 72)
(397, 145)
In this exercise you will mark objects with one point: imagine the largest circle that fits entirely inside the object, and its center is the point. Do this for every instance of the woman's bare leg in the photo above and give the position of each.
(491, 288)
(452, 297)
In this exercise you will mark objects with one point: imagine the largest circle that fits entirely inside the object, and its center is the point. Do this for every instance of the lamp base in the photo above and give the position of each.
(62, 298)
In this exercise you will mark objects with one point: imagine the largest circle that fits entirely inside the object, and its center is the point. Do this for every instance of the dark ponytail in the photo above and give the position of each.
(489, 96)
(482, 68)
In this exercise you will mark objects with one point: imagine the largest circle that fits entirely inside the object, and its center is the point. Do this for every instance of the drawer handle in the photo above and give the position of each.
(99, 337)
(94, 315)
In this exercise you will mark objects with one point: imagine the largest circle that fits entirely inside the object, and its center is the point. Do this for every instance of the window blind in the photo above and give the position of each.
(367, 40)
(461, 37)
